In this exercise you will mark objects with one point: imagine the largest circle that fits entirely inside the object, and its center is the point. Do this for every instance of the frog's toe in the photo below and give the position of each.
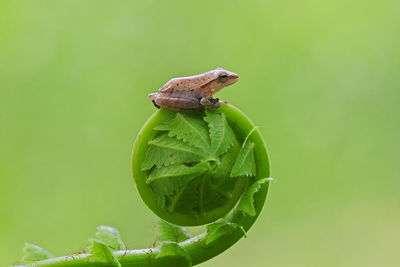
(213, 100)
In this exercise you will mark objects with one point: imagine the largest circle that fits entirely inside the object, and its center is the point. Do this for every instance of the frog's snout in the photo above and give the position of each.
(235, 76)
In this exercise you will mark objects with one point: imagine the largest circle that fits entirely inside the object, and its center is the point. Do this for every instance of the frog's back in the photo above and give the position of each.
(187, 83)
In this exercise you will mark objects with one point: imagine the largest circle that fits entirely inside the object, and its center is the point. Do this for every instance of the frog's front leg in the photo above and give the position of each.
(211, 103)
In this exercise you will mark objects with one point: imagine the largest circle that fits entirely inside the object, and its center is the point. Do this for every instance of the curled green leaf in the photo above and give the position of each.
(198, 249)
(188, 175)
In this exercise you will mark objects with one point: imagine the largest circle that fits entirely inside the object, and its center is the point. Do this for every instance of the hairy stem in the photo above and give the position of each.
(196, 246)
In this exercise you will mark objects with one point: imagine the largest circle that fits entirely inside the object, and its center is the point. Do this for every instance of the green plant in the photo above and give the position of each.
(190, 168)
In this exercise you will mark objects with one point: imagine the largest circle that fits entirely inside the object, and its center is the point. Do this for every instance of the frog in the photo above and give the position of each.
(192, 92)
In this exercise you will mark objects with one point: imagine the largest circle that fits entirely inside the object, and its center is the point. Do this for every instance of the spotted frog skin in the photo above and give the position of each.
(193, 91)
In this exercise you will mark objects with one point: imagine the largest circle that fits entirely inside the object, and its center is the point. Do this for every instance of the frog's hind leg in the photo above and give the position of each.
(177, 103)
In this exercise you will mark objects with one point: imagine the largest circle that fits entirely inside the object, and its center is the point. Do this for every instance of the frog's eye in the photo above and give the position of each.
(223, 77)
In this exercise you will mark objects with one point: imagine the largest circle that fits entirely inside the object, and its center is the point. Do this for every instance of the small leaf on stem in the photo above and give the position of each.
(110, 236)
(34, 253)
(100, 252)
(174, 250)
(219, 229)
(171, 232)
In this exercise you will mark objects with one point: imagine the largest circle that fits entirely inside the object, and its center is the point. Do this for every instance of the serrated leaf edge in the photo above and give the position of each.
(225, 123)
(252, 190)
(234, 174)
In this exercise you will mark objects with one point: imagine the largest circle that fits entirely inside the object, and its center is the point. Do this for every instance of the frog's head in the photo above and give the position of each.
(226, 77)
(222, 78)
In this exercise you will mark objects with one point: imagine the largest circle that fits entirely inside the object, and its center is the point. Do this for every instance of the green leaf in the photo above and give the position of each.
(100, 252)
(173, 250)
(246, 204)
(174, 171)
(226, 163)
(190, 129)
(34, 253)
(169, 180)
(219, 229)
(187, 199)
(221, 134)
(171, 232)
(165, 151)
(245, 163)
(110, 236)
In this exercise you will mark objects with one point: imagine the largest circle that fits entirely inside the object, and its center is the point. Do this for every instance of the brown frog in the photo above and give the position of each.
(193, 91)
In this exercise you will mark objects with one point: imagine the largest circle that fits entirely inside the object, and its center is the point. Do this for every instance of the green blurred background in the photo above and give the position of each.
(320, 78)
